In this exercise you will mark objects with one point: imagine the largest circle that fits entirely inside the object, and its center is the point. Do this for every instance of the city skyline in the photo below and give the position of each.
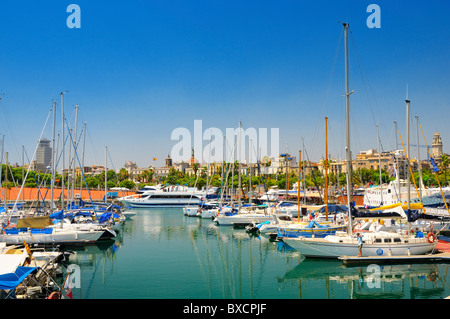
(141, 70)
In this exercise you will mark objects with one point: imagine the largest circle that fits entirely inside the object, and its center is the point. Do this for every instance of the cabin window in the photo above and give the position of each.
(387, 240)
(378, 240)
(389, 191)
(397, 240)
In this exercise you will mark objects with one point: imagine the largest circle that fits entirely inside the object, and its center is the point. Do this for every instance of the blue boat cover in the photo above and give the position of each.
(314, 223)
(57, 215)
(286, 204)
(334, 209)
(12, 280)
(106, 216)
(263, 223)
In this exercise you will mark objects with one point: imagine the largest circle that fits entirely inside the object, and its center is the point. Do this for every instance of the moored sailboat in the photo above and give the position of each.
(373, 243)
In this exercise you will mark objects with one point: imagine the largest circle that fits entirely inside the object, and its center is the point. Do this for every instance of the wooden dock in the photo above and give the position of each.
(437, 257)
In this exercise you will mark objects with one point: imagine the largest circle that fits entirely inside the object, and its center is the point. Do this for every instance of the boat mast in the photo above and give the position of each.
(250, 171)
(304, 174)
(326, 168)
(379, 167)
(298, 182)
(63, 152)
(239, 172)
(407, 155)
(347, 120)
(75, 147)
(82, 160)
(5, 199)
(106, 171)
(418, 159)
(53, 158)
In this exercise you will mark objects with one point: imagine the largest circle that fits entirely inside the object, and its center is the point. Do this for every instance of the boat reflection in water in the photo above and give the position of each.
(198, 259)
(330, 279)
(94, 263)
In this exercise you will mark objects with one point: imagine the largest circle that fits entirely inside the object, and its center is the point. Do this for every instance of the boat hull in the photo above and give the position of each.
(241, 219)
(294, 232)
(161, 203)
(190, 211)
(66, 237)
(321, 248)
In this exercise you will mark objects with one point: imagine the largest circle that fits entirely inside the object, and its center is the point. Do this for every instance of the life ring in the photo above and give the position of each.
(431, 237)
(53, 295)
(432, 276)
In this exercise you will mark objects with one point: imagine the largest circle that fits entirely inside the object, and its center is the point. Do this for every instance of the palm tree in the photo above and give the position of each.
(147, 175)
(195, 167)
(123, 174)
(445, 162)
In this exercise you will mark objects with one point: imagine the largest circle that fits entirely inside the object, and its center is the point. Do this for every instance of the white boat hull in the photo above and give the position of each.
(208, 214)
(324, 248)
(241, 219)
(56, 237)
(190, 211)
(169, 202)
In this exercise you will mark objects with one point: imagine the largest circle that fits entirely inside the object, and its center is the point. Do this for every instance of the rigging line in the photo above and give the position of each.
(114, 170)
(34, 177)
(437, 179)
(362, 77)
(9, 127)
(330, 77)
(28, 170)
(332, 70)
(82, 173)
(72, 160)
(364, 84)
(92, 145)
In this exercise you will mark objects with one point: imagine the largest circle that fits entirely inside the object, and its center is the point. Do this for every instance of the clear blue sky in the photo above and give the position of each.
(140, 69)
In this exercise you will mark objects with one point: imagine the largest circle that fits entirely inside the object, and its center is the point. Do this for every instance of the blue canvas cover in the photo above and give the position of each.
(58, 215)
(12, 280)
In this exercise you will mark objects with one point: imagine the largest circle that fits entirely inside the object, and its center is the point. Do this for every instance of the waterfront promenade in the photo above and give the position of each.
(34, 194)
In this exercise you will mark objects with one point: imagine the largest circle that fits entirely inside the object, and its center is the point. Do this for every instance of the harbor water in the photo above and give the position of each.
(162, 254)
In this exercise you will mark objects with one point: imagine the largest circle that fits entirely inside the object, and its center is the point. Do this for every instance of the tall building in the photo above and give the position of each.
(436, 146)
(43, 155)
(168, 161)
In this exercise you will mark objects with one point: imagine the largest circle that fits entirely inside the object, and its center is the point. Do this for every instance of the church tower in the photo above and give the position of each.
(436, 146)
(168, 161)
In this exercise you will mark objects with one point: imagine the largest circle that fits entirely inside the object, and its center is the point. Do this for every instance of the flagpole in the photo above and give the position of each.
(64, 284)
(435, 173)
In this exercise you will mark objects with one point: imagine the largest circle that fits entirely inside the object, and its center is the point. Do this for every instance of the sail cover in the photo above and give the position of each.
(12, 280)
(34, 222)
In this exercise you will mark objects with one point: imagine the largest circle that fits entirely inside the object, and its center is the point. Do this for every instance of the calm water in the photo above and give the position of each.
(162, 254)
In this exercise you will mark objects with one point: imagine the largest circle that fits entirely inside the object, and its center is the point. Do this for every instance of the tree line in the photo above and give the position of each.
(362, 177)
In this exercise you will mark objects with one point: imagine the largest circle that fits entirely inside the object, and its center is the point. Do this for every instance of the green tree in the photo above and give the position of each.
(147, 175)
(444, 166)
(123, 175)
(127, 183)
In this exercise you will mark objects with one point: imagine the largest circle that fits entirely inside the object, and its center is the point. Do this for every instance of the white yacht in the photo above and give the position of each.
(248, 214)
(374, 244)
(169, 196)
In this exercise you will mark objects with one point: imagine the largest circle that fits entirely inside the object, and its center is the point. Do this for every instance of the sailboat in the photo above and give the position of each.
(319, 226)
(244, 214)
(44, 230)
(374, 243)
